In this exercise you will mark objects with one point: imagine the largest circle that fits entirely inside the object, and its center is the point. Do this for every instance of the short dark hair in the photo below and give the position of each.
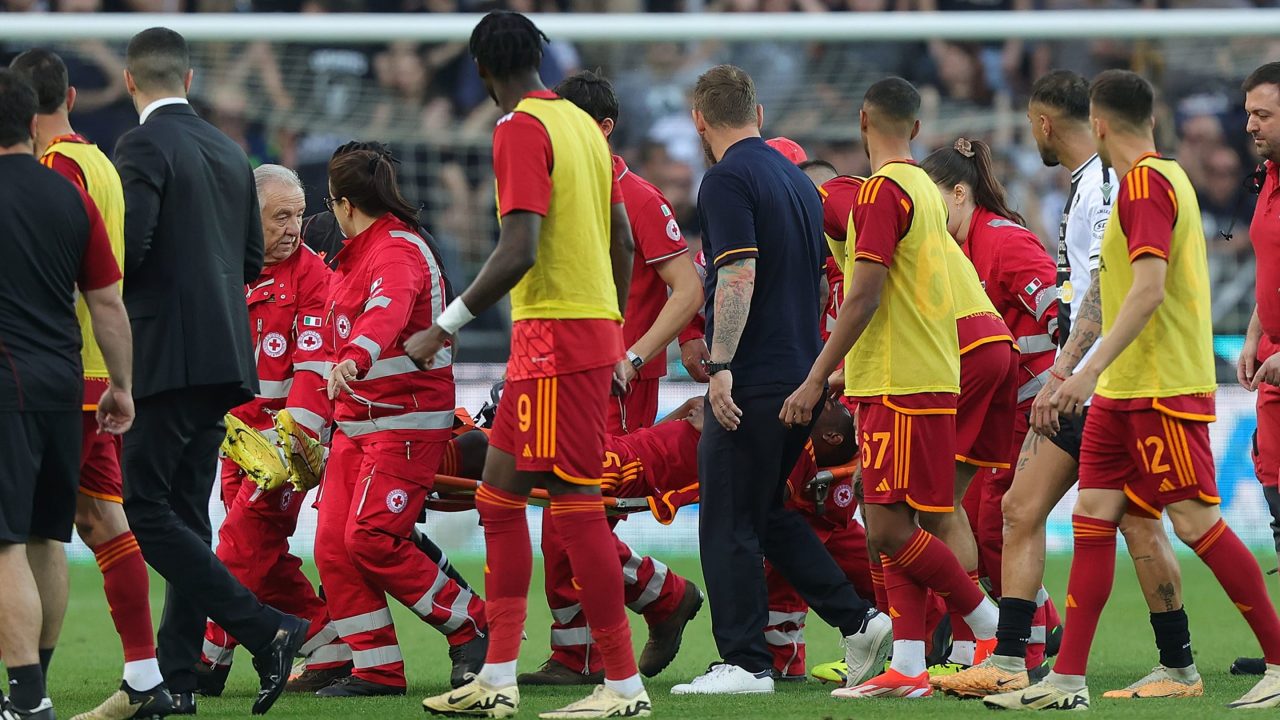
(45, 72)
(591, 92)
(896, 98)
(817, 164)
(1268, 74)
(1064, 91)
(158, 59)
(726, 97)
(17, 108)
(1125, 95)
(506, 43)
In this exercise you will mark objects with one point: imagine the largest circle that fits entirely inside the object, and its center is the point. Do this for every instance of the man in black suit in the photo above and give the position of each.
(193, 238)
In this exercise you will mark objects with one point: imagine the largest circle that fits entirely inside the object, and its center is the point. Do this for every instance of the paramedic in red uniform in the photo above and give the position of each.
(393, 423)
(286, 303)
(1019, 278)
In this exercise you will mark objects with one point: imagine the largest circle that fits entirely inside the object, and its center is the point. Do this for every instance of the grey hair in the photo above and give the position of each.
(264, 175)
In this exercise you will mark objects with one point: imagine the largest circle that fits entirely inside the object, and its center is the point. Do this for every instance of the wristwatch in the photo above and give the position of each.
(714, 367)
(636, 361)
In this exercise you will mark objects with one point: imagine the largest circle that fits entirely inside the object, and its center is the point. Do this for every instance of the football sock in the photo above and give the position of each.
(931, 564)
(26, 686)
(1093, 570)
(1039, 632)
(594, 559)
(1014, 630)
(143, 674)
(1173, 638)
(508, 566)
(498, 675)
(627, 687)
(906, 601)
(1071, 683)
(877, 582)
(908, 657)
(46, 657)
(1237, 571)
(962, 651)
(963, 641)
(125, 582)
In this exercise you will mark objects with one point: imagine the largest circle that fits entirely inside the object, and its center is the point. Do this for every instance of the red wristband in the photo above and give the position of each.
(1056, 376)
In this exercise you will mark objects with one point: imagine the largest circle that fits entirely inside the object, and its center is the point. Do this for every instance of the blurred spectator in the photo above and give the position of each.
(1223, 201)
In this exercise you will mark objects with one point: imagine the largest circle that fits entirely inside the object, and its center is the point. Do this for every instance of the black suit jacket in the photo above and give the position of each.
(193, 239)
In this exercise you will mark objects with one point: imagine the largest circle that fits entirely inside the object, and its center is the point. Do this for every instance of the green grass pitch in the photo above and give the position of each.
(87, 664)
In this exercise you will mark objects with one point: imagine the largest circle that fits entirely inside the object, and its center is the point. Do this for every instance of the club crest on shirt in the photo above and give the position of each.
(274, 345)
(397, 501)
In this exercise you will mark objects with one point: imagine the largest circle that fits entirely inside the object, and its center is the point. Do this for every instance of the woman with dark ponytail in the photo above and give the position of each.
(1019, 277)
(393, 421)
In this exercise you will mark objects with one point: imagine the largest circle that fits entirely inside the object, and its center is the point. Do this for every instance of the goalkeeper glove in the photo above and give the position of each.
(306, 455)
(260, 459)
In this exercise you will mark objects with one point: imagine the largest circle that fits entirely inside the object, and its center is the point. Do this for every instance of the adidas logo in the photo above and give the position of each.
(527, 451)
(893, 612)
(883, 486)
(1071, 602)
(1166, 486)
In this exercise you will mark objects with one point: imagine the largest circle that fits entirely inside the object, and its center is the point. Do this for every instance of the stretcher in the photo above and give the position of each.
(457, 494)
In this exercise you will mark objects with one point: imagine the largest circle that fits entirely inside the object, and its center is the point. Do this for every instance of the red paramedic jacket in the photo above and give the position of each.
(286, 306)
(1020, 278)
(388, 286)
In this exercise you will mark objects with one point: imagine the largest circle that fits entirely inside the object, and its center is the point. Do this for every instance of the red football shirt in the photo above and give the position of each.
(838, 196)
(522, 161)
(658, 239)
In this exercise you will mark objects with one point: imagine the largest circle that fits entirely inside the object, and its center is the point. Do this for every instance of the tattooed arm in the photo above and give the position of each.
(735, 284)
(1085, 331)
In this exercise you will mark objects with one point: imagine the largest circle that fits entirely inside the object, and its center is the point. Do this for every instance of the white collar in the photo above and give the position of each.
(146, 111)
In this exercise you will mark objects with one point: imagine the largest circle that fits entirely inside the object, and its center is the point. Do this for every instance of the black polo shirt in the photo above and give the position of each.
(755, 203)
(53, 241)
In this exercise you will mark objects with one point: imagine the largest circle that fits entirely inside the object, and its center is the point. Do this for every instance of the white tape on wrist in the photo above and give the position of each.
(455, 316)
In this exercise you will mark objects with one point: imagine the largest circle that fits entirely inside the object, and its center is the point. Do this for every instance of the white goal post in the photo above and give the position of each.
(626, 27)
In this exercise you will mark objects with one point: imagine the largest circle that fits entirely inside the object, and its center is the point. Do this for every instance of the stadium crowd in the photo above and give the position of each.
(897, 342)
(294, 103)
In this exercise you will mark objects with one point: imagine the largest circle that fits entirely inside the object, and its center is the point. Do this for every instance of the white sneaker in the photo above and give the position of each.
(726, 679)
(866, 650)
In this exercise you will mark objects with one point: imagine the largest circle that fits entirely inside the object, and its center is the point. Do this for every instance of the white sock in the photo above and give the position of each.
(983, 620)
(962, 652)
(1042, 597)
(1188, 674)
(1009, 664)
(1073, 683)
(498, 675)
(908, 657)
(143, 675)
(627, 688)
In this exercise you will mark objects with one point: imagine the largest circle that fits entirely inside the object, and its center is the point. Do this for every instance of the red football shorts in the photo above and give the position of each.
(636, 410)
(100, 475)
(556, 424)
(1156, 459)
(907, 455)
(988, 405)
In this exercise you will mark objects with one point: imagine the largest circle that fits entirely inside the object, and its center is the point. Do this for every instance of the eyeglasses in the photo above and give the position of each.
(329, 202)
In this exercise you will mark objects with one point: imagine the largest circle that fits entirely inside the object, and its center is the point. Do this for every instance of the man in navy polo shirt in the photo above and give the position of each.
(762, 231)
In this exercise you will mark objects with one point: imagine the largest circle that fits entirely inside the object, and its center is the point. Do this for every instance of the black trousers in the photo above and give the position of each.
(742, 520)
(170, 461)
